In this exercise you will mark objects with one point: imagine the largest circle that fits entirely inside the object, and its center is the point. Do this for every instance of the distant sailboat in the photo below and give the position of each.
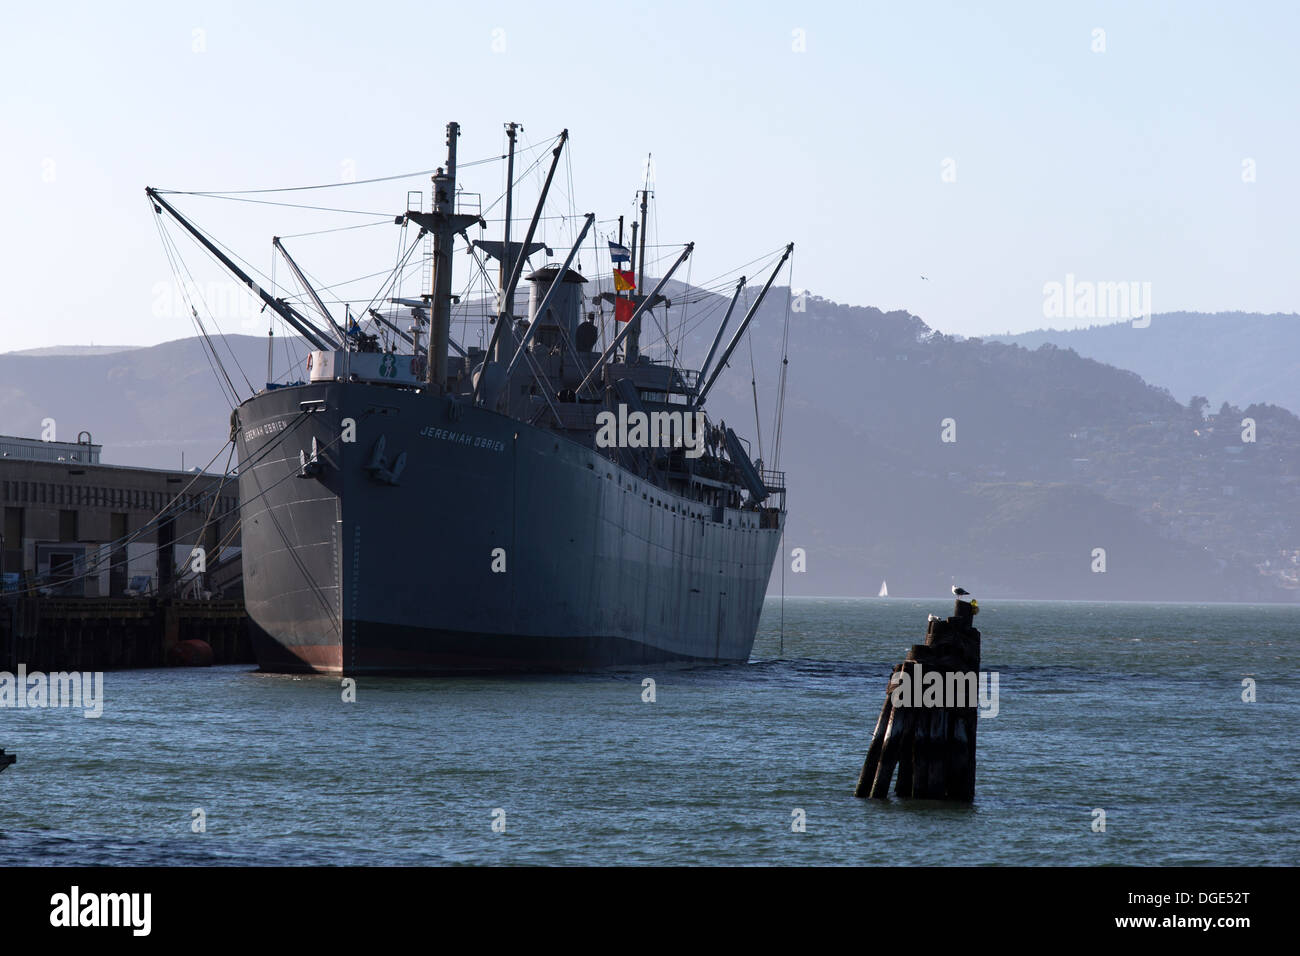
(884, 590)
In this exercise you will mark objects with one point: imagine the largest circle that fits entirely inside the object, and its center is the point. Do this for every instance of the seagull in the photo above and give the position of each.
(960, 592)
(926, 278)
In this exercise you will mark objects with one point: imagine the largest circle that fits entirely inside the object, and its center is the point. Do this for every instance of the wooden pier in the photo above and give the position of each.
(96, 634)
(920, 731)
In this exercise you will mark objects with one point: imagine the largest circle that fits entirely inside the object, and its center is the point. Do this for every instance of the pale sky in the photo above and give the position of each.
(827, 124)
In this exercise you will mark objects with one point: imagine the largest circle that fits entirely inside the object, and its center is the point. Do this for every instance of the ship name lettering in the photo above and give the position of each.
(462, 438)
(266, 428)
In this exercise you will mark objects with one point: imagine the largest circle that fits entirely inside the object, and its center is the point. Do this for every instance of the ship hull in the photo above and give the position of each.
(445, 538)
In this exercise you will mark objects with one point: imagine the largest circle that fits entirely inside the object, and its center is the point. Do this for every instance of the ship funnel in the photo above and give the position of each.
(565, 309)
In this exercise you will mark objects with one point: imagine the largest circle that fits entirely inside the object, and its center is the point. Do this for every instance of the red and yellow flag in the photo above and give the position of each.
(624, 281)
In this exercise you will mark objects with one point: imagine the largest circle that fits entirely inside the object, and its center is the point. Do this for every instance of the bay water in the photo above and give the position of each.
(1133, 709)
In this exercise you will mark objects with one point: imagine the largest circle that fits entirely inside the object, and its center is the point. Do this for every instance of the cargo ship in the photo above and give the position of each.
(554, 500)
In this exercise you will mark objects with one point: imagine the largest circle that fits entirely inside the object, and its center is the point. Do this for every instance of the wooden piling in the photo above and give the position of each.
(932, 745)
(97, 634)
(868, 773)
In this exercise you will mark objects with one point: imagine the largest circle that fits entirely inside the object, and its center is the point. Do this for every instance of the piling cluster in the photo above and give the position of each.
(931, 741)
(53, 634)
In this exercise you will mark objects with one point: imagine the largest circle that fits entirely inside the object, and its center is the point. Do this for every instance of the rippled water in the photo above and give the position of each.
(1133, 708)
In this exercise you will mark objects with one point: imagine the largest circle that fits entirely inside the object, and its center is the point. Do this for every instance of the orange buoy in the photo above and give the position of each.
(194, 653)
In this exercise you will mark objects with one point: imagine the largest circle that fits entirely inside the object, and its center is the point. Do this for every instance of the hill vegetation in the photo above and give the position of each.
(1058, 465)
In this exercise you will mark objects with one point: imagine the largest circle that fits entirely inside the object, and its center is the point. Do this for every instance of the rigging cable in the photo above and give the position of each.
(177, 264)
(216, 500)
(686, 306)
(785, 364)
(595, 264)
(321, 232)
(782, 559)
(223, 380)
(129, 538)
(573, 206)
(388, 216)
(222, 193)
(753, 384)
(394, 276)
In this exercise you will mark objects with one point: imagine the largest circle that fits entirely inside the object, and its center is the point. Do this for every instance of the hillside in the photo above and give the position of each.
(1239, 357)
(1055, 455)
(146, 406)
(74, 350)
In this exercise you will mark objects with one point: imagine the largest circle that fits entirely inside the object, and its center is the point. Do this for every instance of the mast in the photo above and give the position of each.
(496, 345)
(413, 330)
(550, 293)
(443, 223)
(507, 260)
(627, 330)
(632, 350)
(640, 269)
(444, 200)
(617, 293)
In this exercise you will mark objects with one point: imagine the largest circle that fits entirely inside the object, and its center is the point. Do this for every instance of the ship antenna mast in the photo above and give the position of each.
(496, 346)
(443, 223)
(444, 206)
(507, 308)
(633, 338)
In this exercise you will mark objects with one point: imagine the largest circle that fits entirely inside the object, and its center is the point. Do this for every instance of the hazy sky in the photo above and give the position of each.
(828, 124)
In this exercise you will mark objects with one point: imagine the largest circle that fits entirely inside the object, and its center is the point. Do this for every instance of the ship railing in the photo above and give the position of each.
(774, 480)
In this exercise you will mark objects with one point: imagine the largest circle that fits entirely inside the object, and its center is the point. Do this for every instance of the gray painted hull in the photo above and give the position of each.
(347, 574)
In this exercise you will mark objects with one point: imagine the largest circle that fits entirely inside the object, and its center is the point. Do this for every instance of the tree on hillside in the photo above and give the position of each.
(1228, 412)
